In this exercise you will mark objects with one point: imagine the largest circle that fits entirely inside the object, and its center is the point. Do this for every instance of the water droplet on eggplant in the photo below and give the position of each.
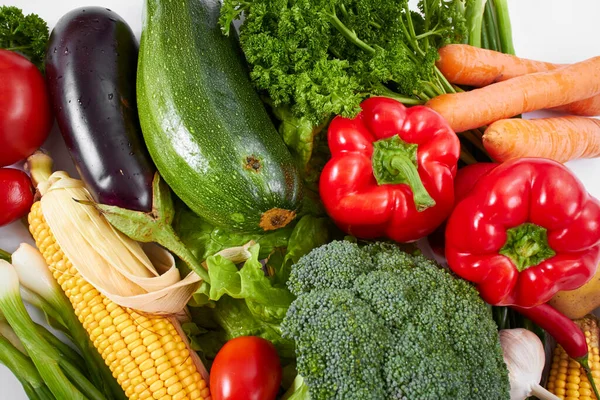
(110, 96)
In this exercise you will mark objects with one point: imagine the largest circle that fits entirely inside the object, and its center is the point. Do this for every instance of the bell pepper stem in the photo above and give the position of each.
(588, 372)
(527, 246)
(405, 167)
(395, 162)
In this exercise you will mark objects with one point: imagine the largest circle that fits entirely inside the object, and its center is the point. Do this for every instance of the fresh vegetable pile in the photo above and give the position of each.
(247, 218)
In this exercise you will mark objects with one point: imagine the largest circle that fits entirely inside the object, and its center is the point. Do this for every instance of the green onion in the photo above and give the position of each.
(504, 28)
(63, 379)
(42, 291)
(474, 15)
(24, 369)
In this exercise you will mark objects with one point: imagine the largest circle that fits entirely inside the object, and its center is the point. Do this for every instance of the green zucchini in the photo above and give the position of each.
(205, 127)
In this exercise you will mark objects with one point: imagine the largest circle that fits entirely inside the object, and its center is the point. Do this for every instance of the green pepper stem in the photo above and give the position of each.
(403, 165)
(588, 372)
(395, 162)
(527, 246)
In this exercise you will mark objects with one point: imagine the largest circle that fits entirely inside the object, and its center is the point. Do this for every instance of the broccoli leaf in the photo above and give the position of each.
(27, 35)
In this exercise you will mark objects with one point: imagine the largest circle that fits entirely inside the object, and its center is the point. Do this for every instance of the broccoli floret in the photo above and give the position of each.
(334, 265)
(352, 368)
(418, 331)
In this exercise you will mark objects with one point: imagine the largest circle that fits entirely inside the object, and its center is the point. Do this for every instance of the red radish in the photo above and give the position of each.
(16, 195)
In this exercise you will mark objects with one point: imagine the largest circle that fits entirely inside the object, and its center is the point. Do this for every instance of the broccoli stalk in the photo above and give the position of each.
(27, 35)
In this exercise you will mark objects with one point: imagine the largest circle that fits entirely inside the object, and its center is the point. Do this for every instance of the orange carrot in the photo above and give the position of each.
(479, 107)
(561, 139)
(462, 64)
(468, 65)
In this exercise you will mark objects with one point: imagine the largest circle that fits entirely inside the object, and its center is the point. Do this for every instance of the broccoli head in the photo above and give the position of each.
(392, 326)
(331, 266)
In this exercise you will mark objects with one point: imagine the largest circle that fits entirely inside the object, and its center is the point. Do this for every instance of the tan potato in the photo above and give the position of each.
(579, 302)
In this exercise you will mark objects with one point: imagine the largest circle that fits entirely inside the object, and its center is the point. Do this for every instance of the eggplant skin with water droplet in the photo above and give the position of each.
(91, 66)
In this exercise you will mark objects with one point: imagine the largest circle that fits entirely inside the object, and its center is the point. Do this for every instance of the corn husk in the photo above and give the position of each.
(141, 277)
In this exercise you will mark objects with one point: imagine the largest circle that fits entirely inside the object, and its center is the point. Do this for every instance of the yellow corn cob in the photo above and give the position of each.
(567, 379)
(146, 354)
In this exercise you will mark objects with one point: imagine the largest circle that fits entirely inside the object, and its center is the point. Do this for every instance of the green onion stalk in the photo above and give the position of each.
(40, 289)
(14, 357)
(62, 378)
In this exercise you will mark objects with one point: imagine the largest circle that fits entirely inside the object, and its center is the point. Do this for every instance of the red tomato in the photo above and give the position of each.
(246, 368)
(25, 118)
(16, 195)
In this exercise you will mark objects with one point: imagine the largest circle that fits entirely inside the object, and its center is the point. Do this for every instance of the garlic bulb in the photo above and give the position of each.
(525, 358)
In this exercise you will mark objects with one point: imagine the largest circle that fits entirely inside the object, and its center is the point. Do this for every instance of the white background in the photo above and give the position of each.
(550, 30)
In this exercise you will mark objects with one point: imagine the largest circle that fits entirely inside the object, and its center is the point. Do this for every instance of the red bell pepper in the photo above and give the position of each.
(527, 230)
(465, 181)
(391, 172)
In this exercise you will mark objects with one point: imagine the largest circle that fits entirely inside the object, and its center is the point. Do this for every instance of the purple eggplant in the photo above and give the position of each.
(91, 65)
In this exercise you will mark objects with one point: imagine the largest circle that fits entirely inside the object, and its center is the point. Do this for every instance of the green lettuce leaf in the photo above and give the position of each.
(204, 239)
(266, 299)
(298, 390)
(228, 319)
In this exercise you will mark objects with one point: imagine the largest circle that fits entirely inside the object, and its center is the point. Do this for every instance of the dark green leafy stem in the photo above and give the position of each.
(27, 35)
(503, 25)
(4, 255)
(490, 26)
(474, 14)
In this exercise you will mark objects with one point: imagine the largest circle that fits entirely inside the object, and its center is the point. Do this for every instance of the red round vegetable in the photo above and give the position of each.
(25, 118)
(246, 368)
(16, 195)
(391, 172)
(465, 181)
(527, 230)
